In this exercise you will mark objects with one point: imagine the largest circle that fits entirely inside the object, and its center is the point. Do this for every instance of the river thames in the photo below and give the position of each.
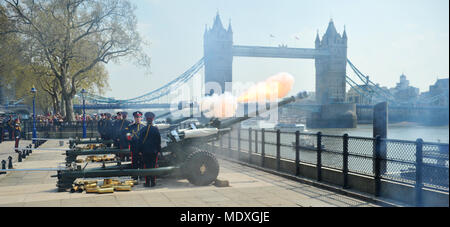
(401, 131)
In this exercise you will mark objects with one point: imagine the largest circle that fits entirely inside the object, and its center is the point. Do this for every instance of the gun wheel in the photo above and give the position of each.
(201, 168)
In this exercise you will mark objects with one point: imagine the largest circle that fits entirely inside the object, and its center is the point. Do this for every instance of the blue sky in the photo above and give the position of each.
(385, 39)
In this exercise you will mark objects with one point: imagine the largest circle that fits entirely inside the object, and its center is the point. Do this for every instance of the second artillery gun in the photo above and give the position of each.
(181, 155)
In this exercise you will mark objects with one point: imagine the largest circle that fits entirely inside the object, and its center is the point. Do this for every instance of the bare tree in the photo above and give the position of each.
(71, 37)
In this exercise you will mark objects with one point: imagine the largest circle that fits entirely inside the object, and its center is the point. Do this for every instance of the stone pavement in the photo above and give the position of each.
(248, 188)
(7, 149)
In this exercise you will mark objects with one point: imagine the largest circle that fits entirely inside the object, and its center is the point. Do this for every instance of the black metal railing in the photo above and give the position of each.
(59, 130)
(417, 163)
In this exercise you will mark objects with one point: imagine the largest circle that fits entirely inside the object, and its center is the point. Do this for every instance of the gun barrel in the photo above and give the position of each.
(163, 115)
(177, 121)
(231, 121)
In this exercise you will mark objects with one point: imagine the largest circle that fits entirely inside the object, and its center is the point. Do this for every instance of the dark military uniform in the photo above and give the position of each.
(133, 129)
(108, 130)
(123, 142)
(118, 128)
(100, 127)
(150, 140)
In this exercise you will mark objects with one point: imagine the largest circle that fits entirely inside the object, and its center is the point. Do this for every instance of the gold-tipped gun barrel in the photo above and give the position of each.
(226, 123)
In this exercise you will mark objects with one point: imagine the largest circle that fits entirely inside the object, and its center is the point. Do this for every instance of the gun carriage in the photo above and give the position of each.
(181, 155)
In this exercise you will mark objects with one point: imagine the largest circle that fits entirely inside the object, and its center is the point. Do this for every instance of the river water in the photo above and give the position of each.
(401, 131)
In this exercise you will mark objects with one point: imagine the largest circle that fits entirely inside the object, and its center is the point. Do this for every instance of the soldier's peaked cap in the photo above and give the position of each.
(149, 115)
(137, 114)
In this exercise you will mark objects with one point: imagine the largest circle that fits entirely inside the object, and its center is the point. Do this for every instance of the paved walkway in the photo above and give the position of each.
(248, 188)
(7, 149)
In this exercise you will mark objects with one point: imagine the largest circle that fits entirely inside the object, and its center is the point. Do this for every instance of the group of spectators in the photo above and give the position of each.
(50, 119)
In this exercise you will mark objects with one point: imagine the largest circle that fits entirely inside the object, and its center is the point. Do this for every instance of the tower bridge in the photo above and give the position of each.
(329, 54)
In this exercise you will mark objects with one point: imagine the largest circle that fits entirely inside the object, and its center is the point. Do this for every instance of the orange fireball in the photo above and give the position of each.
(273, 88)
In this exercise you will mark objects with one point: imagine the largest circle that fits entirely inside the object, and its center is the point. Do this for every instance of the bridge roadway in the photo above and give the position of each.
(277, 52)
(248, 188)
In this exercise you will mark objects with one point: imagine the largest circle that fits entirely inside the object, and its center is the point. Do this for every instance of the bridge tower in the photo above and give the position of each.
(331, 83)
(218, 56)
(331, 70)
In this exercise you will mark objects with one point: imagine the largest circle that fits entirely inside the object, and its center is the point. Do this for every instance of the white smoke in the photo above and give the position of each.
(220, 106)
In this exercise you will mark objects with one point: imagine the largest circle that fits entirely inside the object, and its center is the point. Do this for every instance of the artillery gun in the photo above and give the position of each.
(181, 155)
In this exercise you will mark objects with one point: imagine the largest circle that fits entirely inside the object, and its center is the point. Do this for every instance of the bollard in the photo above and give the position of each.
(3, 166)
(10, 165)
(20, 156)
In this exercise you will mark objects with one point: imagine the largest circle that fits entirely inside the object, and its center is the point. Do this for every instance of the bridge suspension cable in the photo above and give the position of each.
(372, 89)
(155, 94)
(356, 87)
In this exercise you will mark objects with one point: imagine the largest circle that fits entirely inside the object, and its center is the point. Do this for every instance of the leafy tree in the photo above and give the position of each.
(73, 37)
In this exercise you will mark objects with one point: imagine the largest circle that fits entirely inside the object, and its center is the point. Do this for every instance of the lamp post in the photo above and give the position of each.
(33, 91)
(84, 112)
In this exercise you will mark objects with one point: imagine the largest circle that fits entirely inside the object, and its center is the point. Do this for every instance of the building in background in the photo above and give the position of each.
(365, 94)
(437, 95)
(404, 93)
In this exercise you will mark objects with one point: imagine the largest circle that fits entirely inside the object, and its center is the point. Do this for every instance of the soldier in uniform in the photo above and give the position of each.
(117, 128)
(132, 131)
(122, 137)
(150, 139)
(100, 125)
(108, 129)
(123, 142)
